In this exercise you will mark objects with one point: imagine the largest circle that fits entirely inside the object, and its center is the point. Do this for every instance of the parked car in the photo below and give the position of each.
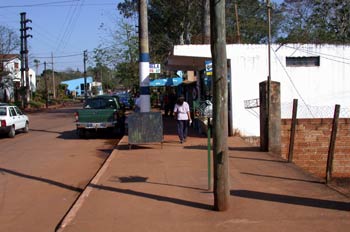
(12, 119)
(98, 113)
(125, 99)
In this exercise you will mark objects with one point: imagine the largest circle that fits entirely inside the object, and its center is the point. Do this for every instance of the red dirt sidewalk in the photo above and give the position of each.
(149, 188)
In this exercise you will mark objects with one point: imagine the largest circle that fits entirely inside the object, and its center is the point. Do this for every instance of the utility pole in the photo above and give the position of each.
(206, 22)
(85, 85)
(46, 90)
(220, 112)
(24, 54)
(144, 58)
(53, 79)
(269, 71)
(237, 22)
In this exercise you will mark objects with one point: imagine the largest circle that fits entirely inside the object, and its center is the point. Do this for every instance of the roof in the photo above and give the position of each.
(7, 57)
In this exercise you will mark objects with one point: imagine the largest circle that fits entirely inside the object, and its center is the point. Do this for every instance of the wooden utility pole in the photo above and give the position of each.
(237, 23)
(46, 89)
(220, 122)
(53, 79)
(85, 85)
(206, 22)
(269, 74)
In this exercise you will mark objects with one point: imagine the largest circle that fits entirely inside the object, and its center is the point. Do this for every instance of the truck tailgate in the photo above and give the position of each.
(96, 115)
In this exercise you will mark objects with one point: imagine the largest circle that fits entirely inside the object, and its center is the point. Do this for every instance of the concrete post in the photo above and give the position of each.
(144, 58)
(270, 122)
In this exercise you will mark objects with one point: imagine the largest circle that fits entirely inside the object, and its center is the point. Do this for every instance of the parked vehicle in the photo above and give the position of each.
(125, 99)
(12, 119)
(101, 112)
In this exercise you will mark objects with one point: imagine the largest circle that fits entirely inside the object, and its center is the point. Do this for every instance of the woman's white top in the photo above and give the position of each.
(182, 111)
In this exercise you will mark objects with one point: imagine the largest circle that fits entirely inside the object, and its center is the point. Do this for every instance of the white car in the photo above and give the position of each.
(12, 119)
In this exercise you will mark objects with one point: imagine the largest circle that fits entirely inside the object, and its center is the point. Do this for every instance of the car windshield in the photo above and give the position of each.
(100, 103)
(2, 111)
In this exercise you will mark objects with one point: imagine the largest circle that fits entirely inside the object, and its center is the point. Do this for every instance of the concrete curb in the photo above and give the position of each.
(70, 215)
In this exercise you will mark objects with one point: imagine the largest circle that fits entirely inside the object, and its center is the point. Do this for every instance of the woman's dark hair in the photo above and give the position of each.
(180, 100)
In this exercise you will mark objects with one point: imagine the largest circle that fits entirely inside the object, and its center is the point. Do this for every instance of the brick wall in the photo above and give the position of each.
(312, 138)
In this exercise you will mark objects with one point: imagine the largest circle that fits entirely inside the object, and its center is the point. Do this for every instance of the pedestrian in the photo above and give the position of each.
(137, 102)
(183, 117)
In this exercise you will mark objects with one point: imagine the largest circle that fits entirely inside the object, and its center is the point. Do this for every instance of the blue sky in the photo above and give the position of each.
(63, 27)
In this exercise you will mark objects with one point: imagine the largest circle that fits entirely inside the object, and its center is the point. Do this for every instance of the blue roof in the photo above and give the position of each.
(170, 81)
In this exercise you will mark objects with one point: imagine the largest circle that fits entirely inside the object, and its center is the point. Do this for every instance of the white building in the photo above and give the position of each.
(10, 67)
(317, 75)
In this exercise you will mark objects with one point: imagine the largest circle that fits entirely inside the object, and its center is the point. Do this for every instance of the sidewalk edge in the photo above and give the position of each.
(73, 210)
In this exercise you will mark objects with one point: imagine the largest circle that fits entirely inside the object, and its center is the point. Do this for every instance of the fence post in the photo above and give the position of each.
(292, 130)
(332, 144)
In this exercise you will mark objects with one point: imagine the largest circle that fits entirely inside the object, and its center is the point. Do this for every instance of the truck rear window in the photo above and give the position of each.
(100, 103)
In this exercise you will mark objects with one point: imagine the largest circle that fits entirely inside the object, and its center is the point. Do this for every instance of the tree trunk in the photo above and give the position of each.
(220, 124)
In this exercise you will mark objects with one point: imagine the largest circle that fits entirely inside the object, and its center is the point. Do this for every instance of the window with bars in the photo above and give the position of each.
(303, 61)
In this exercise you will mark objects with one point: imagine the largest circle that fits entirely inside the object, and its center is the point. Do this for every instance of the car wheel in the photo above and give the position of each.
(26, 128)
(12, 132)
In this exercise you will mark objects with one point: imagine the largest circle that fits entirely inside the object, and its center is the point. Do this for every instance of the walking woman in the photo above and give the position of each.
(183, 117)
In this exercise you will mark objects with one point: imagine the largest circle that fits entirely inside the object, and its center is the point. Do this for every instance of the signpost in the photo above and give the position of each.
(205, 109)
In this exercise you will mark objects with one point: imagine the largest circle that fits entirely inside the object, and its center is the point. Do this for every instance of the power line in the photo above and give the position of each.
(291, 81)
(62, 56)
(37, 4)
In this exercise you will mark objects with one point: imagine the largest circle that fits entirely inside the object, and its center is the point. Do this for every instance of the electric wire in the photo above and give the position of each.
(63, 41)
(294, 86)
(38, 4)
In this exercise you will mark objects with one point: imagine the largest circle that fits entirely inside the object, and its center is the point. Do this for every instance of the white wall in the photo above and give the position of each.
(325, 85)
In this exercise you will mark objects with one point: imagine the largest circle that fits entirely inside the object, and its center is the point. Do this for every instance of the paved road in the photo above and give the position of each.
(43, 172)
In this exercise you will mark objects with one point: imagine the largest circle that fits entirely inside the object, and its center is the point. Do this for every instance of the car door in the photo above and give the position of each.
(12, 117)
(21, 120)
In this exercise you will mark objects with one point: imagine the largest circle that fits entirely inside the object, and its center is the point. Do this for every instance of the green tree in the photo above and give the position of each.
(315, 21)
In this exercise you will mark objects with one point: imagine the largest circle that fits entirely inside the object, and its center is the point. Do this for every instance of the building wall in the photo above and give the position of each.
(75, 85)
(14, 67)
(324, 85)
(312, 139)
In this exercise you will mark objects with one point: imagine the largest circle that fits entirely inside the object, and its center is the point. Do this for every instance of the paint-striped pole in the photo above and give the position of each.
(145, 103)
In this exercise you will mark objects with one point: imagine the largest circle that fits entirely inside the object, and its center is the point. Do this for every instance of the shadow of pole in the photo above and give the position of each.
(58, 184)
(304, 201)
(154, 197)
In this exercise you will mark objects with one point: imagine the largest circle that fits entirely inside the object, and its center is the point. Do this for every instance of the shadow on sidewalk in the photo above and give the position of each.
(153, 197)
(5, 171)
(138, 179)
(258, 159)
(282, 178)
(304, 201)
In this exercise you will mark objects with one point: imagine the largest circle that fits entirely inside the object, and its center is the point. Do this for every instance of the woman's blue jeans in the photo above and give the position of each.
(182, 129)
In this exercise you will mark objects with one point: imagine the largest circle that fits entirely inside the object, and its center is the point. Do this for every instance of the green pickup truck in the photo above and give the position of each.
(101, 112)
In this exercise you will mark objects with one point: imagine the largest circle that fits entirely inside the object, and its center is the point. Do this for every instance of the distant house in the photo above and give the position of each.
(76, 86)
(10, 76)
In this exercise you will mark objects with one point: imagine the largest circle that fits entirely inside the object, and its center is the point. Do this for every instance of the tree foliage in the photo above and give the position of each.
(316, 21)
(181, 22)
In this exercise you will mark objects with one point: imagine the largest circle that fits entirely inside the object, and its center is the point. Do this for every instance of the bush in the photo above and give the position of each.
(36, 104)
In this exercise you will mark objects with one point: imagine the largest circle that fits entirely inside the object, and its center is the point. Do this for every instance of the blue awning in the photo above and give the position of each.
(175, 81)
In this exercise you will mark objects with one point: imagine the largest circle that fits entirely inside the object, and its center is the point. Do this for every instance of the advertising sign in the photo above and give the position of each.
(154, 68)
